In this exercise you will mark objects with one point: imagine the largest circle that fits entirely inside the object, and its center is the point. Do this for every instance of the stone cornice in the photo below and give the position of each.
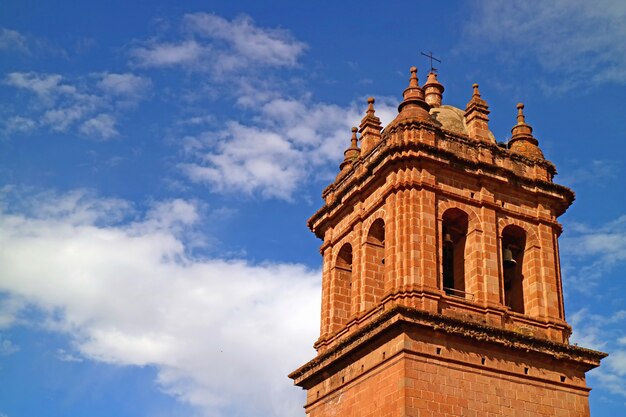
(399, 318)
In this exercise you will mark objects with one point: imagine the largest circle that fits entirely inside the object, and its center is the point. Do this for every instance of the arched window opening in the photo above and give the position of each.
(513, 247)
(343, 284)
(374, 264)
(454, 235)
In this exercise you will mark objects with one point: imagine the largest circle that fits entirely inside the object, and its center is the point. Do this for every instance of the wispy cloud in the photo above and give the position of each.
(123, 85)
(577, 41)
(46, 86)
(246, 41)
(7, 347)
(604, 332)
(101, 126)
(285, 137)
(593, 172)
(125, 288)
(65, 356)
(19, 124)
(217, 45)
(86, 106)
(13, 40)
(163, 54)
(589, 252)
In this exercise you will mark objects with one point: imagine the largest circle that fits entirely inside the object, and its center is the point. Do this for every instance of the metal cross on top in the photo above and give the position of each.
(432, 58)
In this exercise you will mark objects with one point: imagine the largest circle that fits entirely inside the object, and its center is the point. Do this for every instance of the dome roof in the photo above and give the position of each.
(452, 119)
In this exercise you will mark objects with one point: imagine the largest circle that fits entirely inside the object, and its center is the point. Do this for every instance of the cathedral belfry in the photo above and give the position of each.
(441, 282)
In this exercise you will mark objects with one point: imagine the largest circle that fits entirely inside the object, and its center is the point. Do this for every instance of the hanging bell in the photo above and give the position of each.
(508, 260)
(447, 239)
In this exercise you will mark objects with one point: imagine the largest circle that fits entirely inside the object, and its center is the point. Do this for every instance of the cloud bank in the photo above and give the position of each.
(125, 288)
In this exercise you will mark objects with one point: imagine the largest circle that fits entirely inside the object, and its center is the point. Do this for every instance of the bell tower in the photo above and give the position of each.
(441, 282)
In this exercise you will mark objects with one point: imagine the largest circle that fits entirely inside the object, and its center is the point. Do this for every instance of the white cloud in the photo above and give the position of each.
(283, 140)
(220, 46)
(167, 54)
(125, 84)
(247, 41)
(286, 143)
(604, 333)
(589, 252)
(9, 311)
(13, 40)
(581, 41)
(617, 362)
(19, 124)
(61, 119)
(127, 291)
(44, 85)
(102, 126)
(87, 106)
(250, 159)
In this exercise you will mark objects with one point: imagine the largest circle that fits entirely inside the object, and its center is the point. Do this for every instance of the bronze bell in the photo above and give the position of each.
(508, 260)
(447, 239)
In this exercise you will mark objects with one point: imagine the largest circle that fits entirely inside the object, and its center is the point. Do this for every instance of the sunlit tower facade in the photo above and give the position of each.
(441, 282)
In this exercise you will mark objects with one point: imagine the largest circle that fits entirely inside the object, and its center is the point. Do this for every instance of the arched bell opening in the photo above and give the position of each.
(374, 283)
(513, 248)
(453, 251)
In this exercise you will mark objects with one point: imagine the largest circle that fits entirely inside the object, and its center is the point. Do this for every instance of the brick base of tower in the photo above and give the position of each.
(408, 363)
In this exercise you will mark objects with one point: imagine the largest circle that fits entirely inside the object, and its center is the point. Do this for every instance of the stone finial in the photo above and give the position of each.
(352, 152)
(413, 81)
(353, 139)
(476, 92)
(522, 140)
(370, 128)
(413, 91)
(413, 106)
(520, 114)
(477, 117)
(433, 90)
(370, 106)
(476, 101)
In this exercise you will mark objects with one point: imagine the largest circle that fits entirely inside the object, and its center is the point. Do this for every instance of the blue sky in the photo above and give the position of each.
(158, 162)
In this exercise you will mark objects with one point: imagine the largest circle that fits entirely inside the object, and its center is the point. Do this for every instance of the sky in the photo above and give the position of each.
(159, 160)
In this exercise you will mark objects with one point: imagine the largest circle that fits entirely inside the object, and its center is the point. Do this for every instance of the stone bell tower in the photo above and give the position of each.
(441, 285)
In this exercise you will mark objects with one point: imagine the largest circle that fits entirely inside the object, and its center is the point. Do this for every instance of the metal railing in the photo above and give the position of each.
(459, 294)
